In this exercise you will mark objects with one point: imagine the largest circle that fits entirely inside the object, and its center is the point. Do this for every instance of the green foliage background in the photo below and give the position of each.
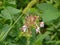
(12, 17)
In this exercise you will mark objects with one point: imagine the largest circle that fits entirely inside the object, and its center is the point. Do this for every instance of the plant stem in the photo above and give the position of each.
(29, 6)
(28, 41)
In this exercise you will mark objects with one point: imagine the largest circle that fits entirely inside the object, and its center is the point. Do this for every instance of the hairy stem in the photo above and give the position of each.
(33, 2)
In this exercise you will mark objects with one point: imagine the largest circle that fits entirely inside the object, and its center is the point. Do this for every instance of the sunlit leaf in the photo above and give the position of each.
(9, 12)
(49, 12)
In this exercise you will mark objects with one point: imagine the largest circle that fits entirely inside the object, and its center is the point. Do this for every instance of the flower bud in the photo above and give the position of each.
(41, 24)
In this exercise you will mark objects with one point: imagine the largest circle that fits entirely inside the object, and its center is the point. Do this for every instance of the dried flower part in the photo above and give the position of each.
(31, 20)
(41, 24)
(37, 29)
(24, 28)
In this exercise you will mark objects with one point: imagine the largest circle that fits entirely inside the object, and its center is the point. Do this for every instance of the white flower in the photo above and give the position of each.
(37, 30)
(24, 28)
(41, 24)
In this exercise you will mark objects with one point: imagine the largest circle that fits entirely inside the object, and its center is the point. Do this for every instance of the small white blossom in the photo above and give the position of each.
(24, 28)
(41, 24)
(37, 30)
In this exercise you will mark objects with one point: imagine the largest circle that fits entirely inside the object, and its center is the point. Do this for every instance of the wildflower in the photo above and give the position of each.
(41, 24)
(24, 28)
(31, 21)
(37, 29)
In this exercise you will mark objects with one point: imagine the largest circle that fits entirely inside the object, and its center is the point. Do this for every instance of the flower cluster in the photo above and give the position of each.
(32, 21)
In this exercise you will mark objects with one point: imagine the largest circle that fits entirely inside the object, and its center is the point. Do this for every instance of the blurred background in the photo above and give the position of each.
(15, 16)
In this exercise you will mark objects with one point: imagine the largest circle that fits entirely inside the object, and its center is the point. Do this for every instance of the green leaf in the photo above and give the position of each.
(9, 12)
(12, 2)
(4, 30)
(41, 37)
(6, 14)
(54, 41)
(49, 12)
(49, 16)
(45, 6)
(12, 10)
(9, 3)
